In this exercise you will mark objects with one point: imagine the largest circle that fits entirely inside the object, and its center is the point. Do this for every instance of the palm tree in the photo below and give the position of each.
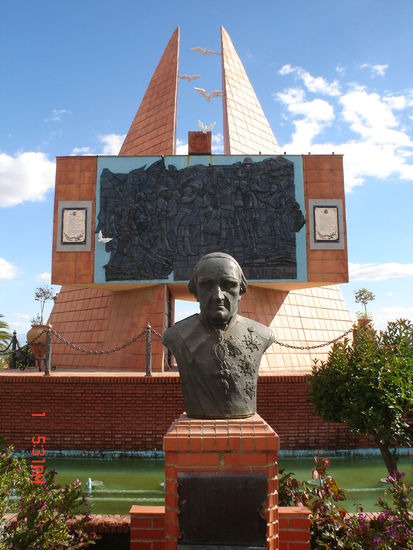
(5, 335)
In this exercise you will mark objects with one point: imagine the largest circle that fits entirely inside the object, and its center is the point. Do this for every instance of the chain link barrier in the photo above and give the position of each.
(153, 331)
(106, 351)
(5, 350)
(317, 345)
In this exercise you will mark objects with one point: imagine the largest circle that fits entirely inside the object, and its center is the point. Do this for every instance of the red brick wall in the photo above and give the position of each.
(132, 412)
(324, 179)
(147, 528)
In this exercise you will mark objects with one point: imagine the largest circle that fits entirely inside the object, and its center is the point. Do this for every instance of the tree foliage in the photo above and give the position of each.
(5, 335)
(369, 386)
(363, 296)
(42, 295)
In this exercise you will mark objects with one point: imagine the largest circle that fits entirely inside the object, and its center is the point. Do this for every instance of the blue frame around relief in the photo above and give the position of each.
(127, 164)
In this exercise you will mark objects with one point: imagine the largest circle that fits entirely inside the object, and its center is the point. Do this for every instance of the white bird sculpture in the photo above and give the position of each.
(215, 93)
(103, 239)
(204, 51)
(189, 77)
(204, 128)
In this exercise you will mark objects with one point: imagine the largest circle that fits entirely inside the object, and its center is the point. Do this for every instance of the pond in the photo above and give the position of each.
(119, 483)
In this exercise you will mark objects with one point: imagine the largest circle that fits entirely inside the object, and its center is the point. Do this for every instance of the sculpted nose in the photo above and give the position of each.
(217, 293)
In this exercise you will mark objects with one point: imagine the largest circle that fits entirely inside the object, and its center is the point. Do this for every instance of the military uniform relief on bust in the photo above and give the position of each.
(162, 220)
(218, 352)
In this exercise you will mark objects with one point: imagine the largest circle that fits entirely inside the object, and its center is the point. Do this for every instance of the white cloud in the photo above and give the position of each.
(375, 70)
(57, 115)
(112, 143)
(82, 151)
(316, 115)
(8, 270)
(181, 147)
(372, 118)
(314, 84)
(111, 146)
(380, 145)
(24, 316)
(217, 145)
(379, 272)
(25, 177)
(383, 315)
(44, 277)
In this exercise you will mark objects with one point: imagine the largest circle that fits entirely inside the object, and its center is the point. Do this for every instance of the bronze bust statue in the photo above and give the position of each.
(218, 352)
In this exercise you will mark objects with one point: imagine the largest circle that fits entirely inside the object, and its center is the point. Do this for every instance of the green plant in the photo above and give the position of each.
(333, 528)
(5, 335)
(363, 296)
(47, 515)
(369, 386)
(42, 295)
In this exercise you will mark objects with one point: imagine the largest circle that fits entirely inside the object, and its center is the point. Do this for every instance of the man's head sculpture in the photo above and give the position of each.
(218, 283)
(218, 352)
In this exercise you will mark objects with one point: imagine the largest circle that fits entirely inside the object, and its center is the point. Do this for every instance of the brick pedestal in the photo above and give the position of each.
(247, 445)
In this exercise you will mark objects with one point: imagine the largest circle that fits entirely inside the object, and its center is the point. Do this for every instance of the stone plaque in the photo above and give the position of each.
(326, 223)
(222, 509)
(74, 225)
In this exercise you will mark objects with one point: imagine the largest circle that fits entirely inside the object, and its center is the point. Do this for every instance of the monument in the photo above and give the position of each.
(218, 352)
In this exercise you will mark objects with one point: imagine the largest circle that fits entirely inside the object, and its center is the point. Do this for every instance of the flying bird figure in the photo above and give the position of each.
(189, 77)
(204, 51)
(103, 239)
(215, 93)
(205, 129)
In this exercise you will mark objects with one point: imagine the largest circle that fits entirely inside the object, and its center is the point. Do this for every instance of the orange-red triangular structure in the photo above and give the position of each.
(246, 129)
(153, 130)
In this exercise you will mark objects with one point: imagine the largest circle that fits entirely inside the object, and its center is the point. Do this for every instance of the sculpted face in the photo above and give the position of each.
(218, 290)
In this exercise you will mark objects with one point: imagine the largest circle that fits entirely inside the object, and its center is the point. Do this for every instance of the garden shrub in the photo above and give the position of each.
(47, 516)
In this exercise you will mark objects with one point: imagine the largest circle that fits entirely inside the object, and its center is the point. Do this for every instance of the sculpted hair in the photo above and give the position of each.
(194, 279)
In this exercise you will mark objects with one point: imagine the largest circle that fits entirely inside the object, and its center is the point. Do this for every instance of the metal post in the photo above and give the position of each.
(48, 357)
(148, 351)
(355, 337)
(13, 350)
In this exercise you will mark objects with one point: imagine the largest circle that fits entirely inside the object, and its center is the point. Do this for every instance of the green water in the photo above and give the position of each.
(118, 484)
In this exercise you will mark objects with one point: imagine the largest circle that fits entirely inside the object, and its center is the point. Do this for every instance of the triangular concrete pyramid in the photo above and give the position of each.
(246, 129)
(153, 129)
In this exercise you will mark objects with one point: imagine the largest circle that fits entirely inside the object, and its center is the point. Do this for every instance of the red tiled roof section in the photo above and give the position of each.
(153, 130)
(246, 129)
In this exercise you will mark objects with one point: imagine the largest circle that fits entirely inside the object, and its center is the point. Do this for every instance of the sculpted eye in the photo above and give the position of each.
(229, 284)
(206, 284)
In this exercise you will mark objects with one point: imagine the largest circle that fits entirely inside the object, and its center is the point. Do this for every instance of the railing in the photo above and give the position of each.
(148, 331)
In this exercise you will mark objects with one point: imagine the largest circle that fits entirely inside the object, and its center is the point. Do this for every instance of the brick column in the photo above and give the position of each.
(220, 446)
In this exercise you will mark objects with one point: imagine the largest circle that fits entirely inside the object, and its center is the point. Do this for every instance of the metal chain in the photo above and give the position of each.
(97, 352)
(35, 338)
(317, 345)
(156, 333)
(3, 351)
(118, 348)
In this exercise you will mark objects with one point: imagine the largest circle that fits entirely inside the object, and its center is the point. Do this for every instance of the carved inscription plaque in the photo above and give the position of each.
(74, 226)
(326, 223)
(162, 220)
(222, 509)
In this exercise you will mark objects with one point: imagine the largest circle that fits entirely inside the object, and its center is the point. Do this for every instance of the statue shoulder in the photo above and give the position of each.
(180, 330)
(266, 333)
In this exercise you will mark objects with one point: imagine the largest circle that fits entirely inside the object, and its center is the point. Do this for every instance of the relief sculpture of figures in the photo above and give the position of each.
(218, 351)
(162, 220)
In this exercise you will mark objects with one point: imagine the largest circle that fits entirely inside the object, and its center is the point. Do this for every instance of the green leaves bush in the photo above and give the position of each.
(46, 516)
(334, 528)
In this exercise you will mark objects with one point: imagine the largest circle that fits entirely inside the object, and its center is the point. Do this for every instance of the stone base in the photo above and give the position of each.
(247, 445)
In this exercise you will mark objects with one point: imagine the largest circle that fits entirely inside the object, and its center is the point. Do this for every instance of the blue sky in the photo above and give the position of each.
(331, 76)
